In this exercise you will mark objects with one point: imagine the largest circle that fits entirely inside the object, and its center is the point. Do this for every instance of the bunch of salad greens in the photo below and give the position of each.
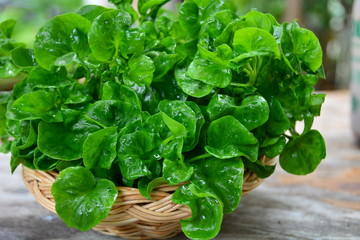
(126, 98)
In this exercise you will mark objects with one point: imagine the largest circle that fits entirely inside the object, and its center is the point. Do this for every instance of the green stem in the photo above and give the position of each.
(239, 84)
(253, 71)
(166, 141)
(202, 156)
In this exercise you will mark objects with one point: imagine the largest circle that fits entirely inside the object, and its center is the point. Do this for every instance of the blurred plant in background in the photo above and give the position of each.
(275, 7)
(331, 22)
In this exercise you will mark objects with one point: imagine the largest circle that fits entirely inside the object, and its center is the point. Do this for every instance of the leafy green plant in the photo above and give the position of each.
(112, 97)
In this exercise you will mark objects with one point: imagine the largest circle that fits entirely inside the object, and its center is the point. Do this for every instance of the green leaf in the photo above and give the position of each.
(207, 212)
(66, 164)
(252, 112)
(99, 149)
(7, 68)
(258, 20)
(60, 142)
(43, 162)
(261, 170)
(253, 19)
(303, 154)
(221, 177)
(192, 140)
(126, 5)
(192, 87)
(90, 12)
(301, 46)
(209, 72)
(189, 18)
(221, 56)
(215, 24)
(2, 120)
(23, 57)
(145, 6)
(184, 120)
(15, 159)
(220, 105)
(278, 122)
(275, 149)
(76, 93)
(7, 28)
(132, 42)
(82, 201)
(20, 89)
(66, 59)
(110, 113)
(228, 138)
(56, 38)
(146, 185)
(135, 154)
(163, 64)
(42, 78)
(176, 171)
(252, 42)
(141, 70)
(151, 38)
(149, 97)
(116, 91)
(30, 139)
(155, 124)
(169, 89)
(36, 105)
(106, 33)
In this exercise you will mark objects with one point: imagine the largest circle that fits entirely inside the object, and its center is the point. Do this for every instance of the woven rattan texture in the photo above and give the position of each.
(132, 216)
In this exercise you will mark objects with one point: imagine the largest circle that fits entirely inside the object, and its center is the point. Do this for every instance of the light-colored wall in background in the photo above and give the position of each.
(104, 2)
(97, 2)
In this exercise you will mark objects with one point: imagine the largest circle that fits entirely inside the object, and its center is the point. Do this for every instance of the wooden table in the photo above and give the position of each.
(322, 205)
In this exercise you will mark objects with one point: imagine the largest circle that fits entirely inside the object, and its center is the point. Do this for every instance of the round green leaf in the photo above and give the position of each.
(81, 201)
(301, 45)
(176, 171)
(141, 70)
(109, 113)
(192, 87)
(253, 112)
(36, 105)
(23, 57)
(207, 212)
(303, 154)
(209, 72)
(223, 178)
(99, 148)
(251, 42)
(60, 142)
(56, 38)
(106, 32)
(228, 138)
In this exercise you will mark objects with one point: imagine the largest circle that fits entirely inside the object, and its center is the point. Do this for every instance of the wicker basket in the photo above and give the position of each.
(132, 215)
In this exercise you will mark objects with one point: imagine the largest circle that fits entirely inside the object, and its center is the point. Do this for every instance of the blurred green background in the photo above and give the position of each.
(329, 19)
(32, 14)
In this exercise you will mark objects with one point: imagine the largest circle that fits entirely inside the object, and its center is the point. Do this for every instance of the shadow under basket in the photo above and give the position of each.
(133, 216)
